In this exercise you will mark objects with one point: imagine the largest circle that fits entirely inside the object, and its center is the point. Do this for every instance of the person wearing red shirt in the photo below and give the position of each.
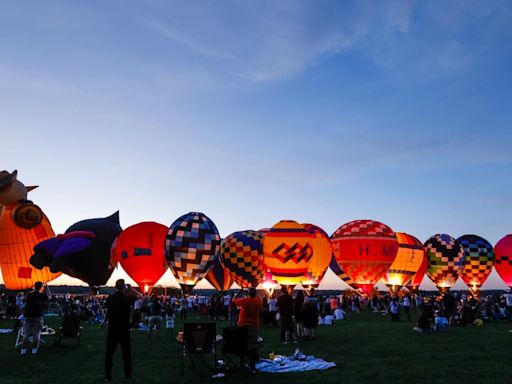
(249, 317)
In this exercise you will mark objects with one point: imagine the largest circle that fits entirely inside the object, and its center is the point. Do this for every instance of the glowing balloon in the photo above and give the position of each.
(445, 261)
(415, 282)
(322, 254)
(191, 248)
(364, 249)
(288, 252)
(242, 255)
(407, 262)
(83, 251)
(479, 255)
(503, 261)
(16, 245)
(22, 225)
(341, 274)
(140, 251)
(219, 277)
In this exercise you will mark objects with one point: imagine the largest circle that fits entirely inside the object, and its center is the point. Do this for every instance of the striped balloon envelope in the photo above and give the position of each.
(191, 248)
(322, 254)
(415, 282)
(503, 261)
(341, 274)
(242, 255)
(364, 249)
(288, 252)
(407, 262)
(445, 261)
(479, 255)
(219, 277)
(16, 248)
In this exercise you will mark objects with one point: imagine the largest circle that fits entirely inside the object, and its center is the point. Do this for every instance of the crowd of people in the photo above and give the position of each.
(297, 315)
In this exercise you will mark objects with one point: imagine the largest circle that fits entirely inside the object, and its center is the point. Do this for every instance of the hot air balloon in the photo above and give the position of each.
(415, 282)
(322, 254)
(341, 274)
(288, 252)
(83, 251)
(479, 255)
(191, 247)
(219, 277)
(407, 262)
(445, 261)
(140, 251)
(22, 226)
(242, 255)
(503, 259)
(364, 249)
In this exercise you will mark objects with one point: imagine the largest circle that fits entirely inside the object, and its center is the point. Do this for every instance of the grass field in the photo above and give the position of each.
(368, 348)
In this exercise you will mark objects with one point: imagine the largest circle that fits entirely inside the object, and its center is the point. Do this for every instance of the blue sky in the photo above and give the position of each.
(252, 112)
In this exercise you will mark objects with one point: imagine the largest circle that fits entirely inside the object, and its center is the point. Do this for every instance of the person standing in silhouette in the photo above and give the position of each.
(118, 308)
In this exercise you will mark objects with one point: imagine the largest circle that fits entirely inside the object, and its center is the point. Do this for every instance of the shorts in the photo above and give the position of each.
(155, 320)
(32, 328)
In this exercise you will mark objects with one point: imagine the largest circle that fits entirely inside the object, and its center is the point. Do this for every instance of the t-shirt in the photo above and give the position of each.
(35, 304)
(285, 304)
(508, 299)
(272, 305)
(250, 308)
(328, 319)
(118, 306)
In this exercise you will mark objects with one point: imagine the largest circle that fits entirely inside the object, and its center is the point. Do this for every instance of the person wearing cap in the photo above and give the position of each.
(118, 307)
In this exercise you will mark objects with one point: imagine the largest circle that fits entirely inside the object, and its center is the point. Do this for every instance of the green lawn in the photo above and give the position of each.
(368, 348)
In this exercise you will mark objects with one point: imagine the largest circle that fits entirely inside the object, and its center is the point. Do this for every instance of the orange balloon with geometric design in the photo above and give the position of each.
(364, 249)
(407, 262)
(288, 252)
(322, 254)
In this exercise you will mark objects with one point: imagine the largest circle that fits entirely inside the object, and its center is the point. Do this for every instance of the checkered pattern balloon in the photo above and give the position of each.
(364, 249)
(219, 277)
(322, 254)
(242, 255)
(503, 259)
(407, 262)
(479, 255)
(445, 260)
(191, 247)
(288, 251)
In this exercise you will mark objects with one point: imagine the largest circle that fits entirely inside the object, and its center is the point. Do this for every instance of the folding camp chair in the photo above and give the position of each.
(234, 344)
(70, 329)
(198, 345)
(19, 324)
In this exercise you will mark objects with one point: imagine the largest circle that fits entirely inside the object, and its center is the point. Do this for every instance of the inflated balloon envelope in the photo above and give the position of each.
(479, 260)
(82, 252)
(503, 262)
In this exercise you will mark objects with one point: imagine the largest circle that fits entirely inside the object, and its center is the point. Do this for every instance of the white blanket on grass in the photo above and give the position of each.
(289, 365)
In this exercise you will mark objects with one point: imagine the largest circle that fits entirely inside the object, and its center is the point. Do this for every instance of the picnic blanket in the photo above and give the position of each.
(6, 330)
(291, 364)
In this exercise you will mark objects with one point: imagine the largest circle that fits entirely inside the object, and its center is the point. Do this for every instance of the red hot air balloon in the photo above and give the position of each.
(503, 259)
(364, 249)
(140, 251)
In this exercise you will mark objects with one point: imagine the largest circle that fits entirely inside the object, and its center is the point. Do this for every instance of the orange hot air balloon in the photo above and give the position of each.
(16, 248)
(407, 262)
(364, 249)
(219, 277)
(415, 281)
(288, 252)
(322, 253)
(140, 251)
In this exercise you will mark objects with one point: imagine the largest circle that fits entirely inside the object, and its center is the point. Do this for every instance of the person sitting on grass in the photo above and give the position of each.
(441, 322)
(339, 314)
(424, 325)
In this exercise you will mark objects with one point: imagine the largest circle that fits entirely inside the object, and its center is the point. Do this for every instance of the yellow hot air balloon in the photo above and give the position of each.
(16, 248)
(288, 252)
(322, 253)
(407, 262)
